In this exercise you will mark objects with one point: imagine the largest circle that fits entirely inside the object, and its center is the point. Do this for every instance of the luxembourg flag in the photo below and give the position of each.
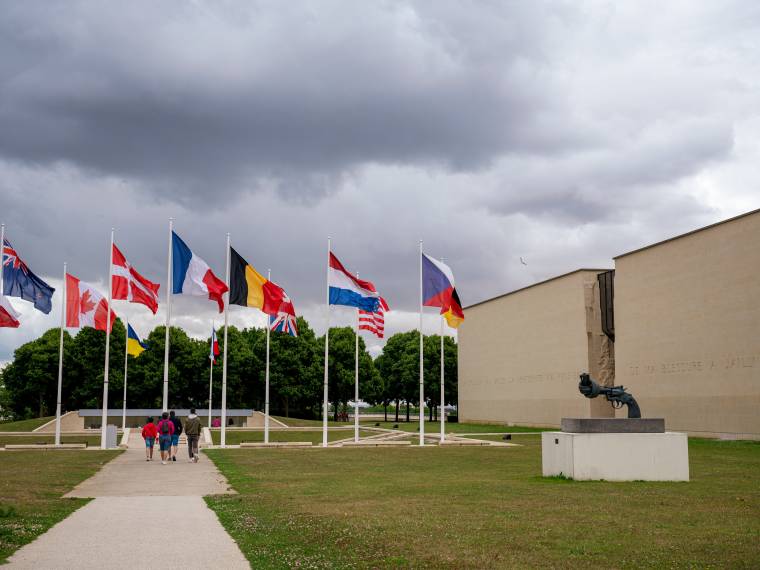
(345, 289)
(192, 276)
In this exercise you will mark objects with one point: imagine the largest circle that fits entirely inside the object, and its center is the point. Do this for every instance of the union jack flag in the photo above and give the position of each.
(11, 258)
(20, 281)
(285, 320)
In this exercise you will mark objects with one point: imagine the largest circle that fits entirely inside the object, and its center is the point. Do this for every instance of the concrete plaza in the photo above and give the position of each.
(142, 512)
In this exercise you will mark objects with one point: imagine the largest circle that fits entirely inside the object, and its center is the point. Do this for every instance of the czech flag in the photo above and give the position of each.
(345, 289)
(8, 315)
(192, 276)
(135, 346)
(438, 290)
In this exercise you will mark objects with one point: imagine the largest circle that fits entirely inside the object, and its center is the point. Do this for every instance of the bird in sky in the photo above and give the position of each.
(523, 261)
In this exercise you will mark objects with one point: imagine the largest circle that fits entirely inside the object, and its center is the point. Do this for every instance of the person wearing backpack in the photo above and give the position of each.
(175, 436)
(193, 433)
(165, 432)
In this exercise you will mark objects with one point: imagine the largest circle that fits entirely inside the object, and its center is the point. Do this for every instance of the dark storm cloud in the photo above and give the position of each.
(193, 95)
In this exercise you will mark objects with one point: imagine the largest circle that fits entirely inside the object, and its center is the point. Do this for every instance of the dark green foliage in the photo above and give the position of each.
(296, 371)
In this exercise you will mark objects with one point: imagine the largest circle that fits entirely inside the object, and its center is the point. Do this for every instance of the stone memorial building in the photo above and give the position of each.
(677, 323)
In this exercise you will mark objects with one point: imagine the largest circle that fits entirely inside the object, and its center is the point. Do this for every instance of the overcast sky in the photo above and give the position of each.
(561, 132)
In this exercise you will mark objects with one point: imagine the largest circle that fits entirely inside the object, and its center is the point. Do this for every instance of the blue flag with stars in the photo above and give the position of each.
(19, 281)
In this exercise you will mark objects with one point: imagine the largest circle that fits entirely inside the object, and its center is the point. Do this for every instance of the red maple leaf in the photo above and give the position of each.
(85, 303)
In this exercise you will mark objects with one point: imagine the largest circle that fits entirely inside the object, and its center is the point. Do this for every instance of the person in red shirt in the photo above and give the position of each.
(165, 431)
(149, 433)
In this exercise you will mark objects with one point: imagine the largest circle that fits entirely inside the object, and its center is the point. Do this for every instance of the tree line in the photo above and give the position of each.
(28, 384)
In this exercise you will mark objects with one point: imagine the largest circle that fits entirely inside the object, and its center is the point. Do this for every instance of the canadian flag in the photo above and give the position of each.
(130, 285)
(8, 315)
(85, 307)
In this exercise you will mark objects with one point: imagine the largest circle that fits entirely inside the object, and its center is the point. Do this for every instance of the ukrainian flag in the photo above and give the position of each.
(135, 346)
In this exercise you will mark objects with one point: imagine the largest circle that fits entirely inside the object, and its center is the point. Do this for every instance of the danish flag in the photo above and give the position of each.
(374, 322)
(128, 284)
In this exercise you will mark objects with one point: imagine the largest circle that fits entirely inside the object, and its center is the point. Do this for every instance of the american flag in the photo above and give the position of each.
(374, 322)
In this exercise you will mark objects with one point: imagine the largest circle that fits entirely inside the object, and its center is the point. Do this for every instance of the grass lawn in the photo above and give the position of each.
(237, 437)
(484, 508)
(435, 427)
(31, 486)
(25, 425)
(90, 440)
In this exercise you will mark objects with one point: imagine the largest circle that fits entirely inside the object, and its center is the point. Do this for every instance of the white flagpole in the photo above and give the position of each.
(327, 344)
(422, 369)
(442, 410)
(266, 376)
(104, 419)
(224, 361)
(126, 353)
(210, 374)
(2, 251)
(356, 376)
(60, 362)
(169, 287)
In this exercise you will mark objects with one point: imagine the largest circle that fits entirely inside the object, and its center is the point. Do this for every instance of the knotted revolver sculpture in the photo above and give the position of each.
(616, 395)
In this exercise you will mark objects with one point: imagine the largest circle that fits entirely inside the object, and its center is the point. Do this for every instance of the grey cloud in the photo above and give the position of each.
(194, 96)
(565, 133)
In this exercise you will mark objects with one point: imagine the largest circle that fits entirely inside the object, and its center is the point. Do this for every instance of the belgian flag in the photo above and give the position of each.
(248, 288)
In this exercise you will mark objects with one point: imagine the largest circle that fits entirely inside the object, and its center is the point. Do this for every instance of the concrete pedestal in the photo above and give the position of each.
(616, 456)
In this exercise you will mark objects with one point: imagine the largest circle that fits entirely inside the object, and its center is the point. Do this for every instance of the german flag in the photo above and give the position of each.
(248, 288)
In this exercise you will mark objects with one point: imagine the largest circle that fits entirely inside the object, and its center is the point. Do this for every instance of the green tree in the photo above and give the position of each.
(295, 372)
(31, 380)
(433, 371)
(399, 366)
(342, 360)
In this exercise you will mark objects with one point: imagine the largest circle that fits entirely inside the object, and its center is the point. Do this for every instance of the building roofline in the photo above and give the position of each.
(720, 223)
(589, 269)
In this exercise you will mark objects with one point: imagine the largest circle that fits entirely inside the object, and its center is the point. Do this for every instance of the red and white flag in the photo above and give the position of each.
(85, 307)
(8, 315)
(374, 322)
(129, 285)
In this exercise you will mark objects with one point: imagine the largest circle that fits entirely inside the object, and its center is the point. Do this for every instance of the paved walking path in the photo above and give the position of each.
(143, 513)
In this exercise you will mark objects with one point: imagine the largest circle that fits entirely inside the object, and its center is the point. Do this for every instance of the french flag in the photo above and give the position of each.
(345, 289)
(192, 276)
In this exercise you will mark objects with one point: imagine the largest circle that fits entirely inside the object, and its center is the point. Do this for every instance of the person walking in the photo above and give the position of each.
(175, 436)
(193, 433)
(149, 433)
(165, 432)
